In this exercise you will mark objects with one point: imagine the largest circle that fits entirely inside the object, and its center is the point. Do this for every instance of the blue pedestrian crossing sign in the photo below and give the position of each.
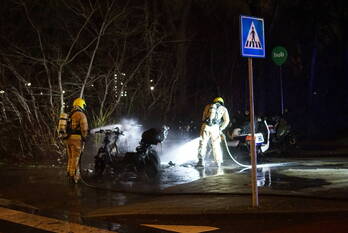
(252, 37)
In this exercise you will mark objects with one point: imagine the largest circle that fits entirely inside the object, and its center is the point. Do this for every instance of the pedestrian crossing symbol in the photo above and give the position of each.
(252, 37)
(253, 40)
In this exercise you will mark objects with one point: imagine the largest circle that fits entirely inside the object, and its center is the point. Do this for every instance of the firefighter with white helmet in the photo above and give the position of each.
(77, 132)
(215, 119)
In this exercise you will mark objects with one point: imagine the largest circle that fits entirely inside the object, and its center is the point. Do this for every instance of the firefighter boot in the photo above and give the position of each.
(77, 176)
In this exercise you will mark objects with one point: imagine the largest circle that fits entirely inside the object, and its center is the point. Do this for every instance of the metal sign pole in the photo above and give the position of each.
(279, 56)
(281, 89)
(252, 45)
(252, 142)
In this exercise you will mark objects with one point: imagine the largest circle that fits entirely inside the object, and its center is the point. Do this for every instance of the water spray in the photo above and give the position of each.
(113, 126)
(188, 152)
(182, 153)
(132, 133)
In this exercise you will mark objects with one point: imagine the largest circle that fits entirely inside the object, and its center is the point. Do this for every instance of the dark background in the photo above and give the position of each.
(190, 49)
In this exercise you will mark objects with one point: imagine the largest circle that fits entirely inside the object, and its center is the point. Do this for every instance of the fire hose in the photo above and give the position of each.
(229, 153)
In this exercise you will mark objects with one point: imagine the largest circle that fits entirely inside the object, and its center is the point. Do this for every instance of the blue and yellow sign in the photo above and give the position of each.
(252, 37)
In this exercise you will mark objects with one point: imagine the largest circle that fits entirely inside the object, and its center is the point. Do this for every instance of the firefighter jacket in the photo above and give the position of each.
(79, 124)
(216, 114)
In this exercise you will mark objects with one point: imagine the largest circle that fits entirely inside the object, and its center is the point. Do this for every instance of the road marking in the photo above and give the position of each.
(45, 223)
(182, 229)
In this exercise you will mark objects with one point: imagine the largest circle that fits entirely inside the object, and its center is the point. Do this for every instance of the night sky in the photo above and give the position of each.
(314, 75)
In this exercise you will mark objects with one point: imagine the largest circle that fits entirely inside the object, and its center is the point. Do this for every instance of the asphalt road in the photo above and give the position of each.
(296, 195)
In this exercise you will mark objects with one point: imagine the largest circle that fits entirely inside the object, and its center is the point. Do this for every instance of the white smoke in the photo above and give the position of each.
(131, 134)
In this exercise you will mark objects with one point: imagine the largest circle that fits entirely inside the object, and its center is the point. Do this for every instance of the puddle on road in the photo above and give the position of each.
(169, 176)
(270, 175)
(46, 184)
(279, 179)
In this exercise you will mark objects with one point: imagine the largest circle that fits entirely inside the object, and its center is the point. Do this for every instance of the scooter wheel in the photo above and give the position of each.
(99, 166)
(152, 166)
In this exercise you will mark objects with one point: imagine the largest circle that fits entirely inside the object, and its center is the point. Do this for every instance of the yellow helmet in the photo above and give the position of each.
(79, 102)
(218, 99)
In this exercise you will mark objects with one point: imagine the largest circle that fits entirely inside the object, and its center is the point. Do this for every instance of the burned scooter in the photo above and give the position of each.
(283, 137)
(145, 161)
(108, 153)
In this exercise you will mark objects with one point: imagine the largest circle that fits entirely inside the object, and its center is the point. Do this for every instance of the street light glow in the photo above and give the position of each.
(152, 88)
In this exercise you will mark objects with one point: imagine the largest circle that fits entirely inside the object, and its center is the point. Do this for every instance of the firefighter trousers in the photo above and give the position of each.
(74, 149)
(212, 133)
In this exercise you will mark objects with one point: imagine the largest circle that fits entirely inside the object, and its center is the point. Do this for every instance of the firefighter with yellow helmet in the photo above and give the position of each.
(215, 119)
(77, 133)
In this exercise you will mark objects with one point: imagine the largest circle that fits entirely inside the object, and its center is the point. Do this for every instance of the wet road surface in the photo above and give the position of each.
(43, 190)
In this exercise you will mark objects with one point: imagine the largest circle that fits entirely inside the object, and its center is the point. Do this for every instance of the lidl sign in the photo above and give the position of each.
(252, 37)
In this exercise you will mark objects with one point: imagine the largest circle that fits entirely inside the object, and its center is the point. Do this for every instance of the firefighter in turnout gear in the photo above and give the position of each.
(215, 119)
(77, 132)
